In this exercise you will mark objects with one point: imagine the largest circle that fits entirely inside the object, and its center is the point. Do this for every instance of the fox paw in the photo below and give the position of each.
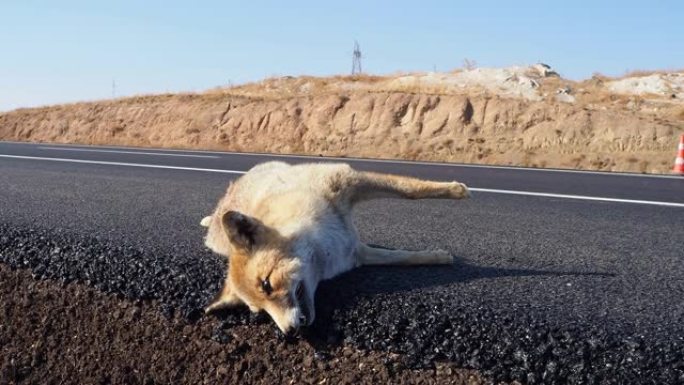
(459, 190)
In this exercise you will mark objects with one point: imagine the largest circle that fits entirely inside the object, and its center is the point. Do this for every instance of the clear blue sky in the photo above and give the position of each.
(62, 51)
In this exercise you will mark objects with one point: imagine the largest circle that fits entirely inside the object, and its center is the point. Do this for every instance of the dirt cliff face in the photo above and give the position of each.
(469, 127)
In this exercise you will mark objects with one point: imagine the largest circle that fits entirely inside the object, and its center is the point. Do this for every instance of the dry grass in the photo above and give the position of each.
(641, 73)
(679, 113)
(283, 87)
(280, 88)
(598, 76)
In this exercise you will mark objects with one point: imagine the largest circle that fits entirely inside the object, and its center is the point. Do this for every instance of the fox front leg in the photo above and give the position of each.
(224, 300)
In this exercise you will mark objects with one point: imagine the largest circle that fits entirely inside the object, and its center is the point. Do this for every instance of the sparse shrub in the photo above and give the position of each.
(469, 64)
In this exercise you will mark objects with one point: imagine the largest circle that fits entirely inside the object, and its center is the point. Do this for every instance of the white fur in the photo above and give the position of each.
(310, 206)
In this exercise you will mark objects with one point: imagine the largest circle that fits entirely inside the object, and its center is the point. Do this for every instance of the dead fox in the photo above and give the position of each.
(285, 228)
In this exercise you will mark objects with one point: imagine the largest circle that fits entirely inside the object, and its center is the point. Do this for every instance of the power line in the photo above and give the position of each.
(356, 60)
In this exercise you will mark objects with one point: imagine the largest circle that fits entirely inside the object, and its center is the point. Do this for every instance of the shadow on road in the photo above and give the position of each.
(370, 280)
(342, 292)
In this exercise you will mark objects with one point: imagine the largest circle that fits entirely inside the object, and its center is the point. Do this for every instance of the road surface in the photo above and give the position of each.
(560, 275)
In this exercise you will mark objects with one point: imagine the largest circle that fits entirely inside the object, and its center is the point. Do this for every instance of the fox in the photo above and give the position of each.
(285, 228)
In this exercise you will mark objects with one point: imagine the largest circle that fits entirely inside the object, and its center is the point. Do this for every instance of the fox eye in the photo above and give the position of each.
(266, 286)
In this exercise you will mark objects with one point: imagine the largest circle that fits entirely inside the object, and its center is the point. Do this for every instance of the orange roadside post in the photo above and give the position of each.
(679, 161)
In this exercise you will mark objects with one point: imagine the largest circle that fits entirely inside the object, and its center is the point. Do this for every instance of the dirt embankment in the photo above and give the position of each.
(541, 121)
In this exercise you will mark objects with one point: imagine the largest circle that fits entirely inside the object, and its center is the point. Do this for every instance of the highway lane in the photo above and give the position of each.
(658, 188)
(604, 271)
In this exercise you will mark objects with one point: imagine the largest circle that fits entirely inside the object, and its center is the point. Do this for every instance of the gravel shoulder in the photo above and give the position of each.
(54, 333)
(114, 314)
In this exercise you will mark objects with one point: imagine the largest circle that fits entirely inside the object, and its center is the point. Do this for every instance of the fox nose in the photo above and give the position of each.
(290, 335)
(293, 333)
(303, 320)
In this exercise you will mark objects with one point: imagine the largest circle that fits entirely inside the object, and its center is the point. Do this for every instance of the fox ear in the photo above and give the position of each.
(240, 229)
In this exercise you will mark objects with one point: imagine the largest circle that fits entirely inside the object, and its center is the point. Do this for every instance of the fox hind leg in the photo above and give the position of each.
(364, 186)
(371, 185)
(367, 255)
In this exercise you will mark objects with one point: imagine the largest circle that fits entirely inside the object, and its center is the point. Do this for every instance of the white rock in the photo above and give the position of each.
(659, 84)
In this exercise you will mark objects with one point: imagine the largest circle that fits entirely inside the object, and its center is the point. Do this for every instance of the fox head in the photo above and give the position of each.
(263, 271)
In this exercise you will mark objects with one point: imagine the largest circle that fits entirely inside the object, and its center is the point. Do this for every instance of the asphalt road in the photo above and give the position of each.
(582, 284)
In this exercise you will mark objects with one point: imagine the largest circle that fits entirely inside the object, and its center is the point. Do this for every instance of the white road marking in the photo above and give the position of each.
(352, 159)
(579, 197)
(121, 164)
(236, 172)
(126, 152)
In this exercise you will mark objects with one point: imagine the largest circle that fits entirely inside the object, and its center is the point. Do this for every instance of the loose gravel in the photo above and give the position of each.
(52, 333)
(425, 325)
